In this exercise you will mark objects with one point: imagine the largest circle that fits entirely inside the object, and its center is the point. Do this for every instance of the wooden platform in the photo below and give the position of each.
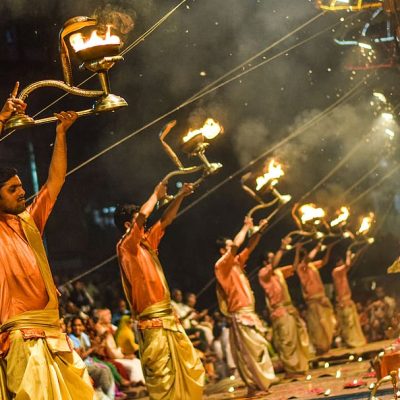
(331, 373)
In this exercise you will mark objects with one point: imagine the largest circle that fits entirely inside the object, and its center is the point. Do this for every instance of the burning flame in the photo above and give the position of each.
(344, 214)
(209, 130)
(366, 224)
(310, 212)
(78, 42)
(274, 172)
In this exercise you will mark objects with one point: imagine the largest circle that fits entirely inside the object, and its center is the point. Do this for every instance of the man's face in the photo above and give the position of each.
(12, 197)
(191, 300)
(122, 305)
(177, 295)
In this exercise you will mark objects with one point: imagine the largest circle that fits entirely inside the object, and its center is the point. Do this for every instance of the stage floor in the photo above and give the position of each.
(328, 378)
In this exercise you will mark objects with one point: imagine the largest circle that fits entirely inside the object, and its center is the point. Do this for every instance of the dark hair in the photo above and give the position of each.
(221, 242)
(6, 173)
(189, 294)
(124, 213)
(76, 319)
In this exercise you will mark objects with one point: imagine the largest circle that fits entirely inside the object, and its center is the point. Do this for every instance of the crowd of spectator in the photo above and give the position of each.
(107, 338)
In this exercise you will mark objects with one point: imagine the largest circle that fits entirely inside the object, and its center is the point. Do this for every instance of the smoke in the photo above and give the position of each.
(117, 17)
(250, 136)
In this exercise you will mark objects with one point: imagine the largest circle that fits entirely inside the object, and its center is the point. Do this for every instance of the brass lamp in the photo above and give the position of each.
(194, 143)
(348, 5)
(97, 53)
(266, 183)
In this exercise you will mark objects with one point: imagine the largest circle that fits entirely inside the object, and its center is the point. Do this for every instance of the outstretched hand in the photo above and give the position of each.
(186, 189)
(12, 105)
(248, 222)
(65, 120)
(286, 241)
(161, 190)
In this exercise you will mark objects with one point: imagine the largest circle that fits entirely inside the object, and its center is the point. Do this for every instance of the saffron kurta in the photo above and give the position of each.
(37, 361)
(346, 311)
(22, 286)
(248, 344)
(320, 318)
(171, 366)
(290, 335)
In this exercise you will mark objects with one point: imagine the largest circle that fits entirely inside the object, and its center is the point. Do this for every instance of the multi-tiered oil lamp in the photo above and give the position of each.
(98, 50)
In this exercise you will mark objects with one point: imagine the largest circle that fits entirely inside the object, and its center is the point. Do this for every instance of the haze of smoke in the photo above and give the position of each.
(249, 138)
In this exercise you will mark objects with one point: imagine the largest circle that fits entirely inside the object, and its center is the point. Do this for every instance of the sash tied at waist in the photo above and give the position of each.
(35, 324)
(319, 298)
(159, 315)
(246, 316)
(280, 309)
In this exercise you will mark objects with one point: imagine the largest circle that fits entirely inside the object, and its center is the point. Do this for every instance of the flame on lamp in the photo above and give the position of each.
(310, 212)
(274, 173)
(366, 223)
(343, 216)
(78, 42)
(209, 130)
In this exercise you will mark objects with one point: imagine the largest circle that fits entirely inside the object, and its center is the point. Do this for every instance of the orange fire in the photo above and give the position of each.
(209, 130)
(349, 5)
(366, 224)
(274, 173)
(78, 42)
(310, 212)
(343, 215)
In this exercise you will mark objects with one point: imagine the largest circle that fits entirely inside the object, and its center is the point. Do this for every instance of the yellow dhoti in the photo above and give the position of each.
(321, 322)
(40, 363)
(36, 360)
(349, 324)
(291, 340)
(171, 365)
(250, 350)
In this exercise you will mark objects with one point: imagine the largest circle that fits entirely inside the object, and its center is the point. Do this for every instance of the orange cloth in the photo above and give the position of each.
(341, 283)
(137, 254)
(22, 287)
(273, 291)
(229, 271)
(272, 287)
(310, 279)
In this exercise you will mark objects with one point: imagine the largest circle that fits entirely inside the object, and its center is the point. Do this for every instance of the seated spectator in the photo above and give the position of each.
(125, 337)
(190, 322)
(112, 352)
(100, 373)
(120, 312)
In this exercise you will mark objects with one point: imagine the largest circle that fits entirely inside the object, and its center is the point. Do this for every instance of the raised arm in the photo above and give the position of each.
(297, 256)
(172, 210)
(253, 242)
(147, 208)
(11, 106)
(279, 254)
(58, 164)
(287, 271)
(324, 261)
(241, 235)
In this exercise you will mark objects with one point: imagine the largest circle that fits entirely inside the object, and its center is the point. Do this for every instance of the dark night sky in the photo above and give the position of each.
(257, 111)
